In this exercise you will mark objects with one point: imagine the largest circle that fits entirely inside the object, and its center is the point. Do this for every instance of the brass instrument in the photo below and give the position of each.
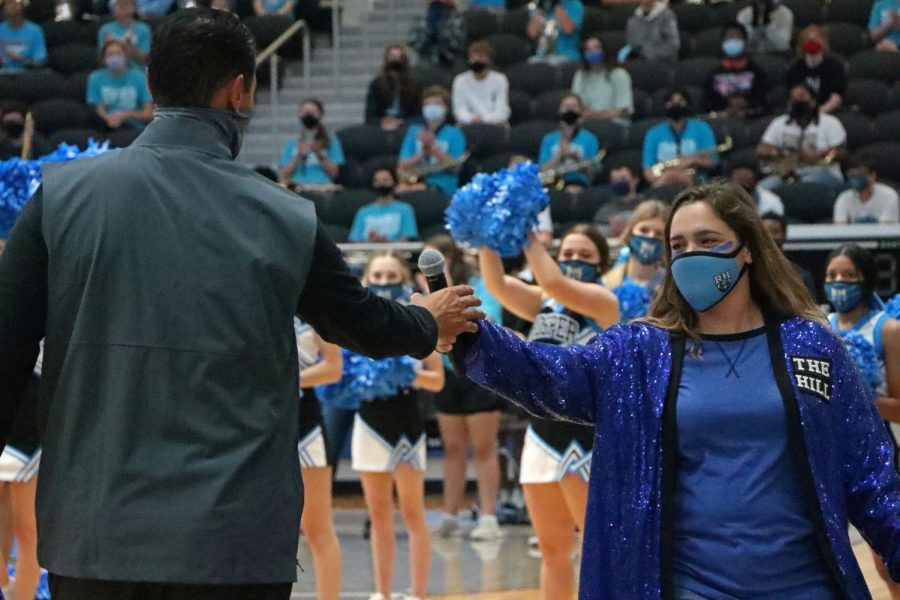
(785, 167)
(417, 174)
(660, 167)
(27, 136)
(546, 43)
(315, 188)
(554, 177)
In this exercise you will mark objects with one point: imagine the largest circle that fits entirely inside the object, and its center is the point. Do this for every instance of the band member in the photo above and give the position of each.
(314, 157)
(569, 145)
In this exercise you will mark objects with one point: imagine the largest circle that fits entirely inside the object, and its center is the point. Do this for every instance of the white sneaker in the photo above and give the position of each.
(487, 529)
(447, 526)
(377, 596)
(534, 548)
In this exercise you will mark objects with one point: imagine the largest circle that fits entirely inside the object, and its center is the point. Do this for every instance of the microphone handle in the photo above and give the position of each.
(457, 358)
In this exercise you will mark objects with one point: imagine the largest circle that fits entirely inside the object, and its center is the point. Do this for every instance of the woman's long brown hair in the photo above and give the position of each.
(775, 285)
(402, 83)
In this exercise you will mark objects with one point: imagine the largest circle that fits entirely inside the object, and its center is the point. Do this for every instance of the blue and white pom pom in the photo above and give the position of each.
(634, 301)
(866, 359)
(892, 307)
(20, 178)
(365, 380)
(499, 210)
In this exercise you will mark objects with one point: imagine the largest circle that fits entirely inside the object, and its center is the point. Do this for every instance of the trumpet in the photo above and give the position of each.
(660, 167)
(315, 188)
(417, 174)
(786, 166)
(554, 177)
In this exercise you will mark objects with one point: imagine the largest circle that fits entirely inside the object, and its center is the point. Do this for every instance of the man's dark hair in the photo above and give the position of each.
(854, 162)
(772, 216)
(681, 92)
(734, 26)
(194, 53)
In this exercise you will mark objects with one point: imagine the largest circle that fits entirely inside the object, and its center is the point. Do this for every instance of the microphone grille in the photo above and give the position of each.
(431, 262)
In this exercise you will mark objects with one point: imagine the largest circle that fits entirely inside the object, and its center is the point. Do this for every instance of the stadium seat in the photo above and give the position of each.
(756, 128)
(777, 98)
(432, 230)
(610, 134)
(807, 202)
(267, 28)
(561, 206)
(617, 17)
(624, 158)
(850, 11)
(585, 204)
(847, 38)
(725, 127)
(427, 75)
(338, 233)
(566, 73)
(869, 96)
(350, 174)
(368, 167)
(509, 49)
(62, 113)
(520, 106)
(484, 139)
(686, 44)
(31, 86)
(515, 22)
(525, 138)
(875, 65)
(886, 126)
(364, 141)
(75, 86)
(806, 12)
(501, 161)
(859, 128)
(532, 78)
(613, 40)
(723, 13)
(663, 193)
(58, 33)
(774, 66)
(638, 130)
(594, 21)
(708, 42)
(429, 206)
(341, 207)
(122, 137)
(650, 75)
(692, 17)
(742, 157)
(642, 103)
(480, 24)
(546, 106)
(694, 71)
(77, 137)
(73, 58)
(885, 158)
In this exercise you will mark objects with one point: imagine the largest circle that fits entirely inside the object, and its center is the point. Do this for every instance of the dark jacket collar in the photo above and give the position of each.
(208, 130)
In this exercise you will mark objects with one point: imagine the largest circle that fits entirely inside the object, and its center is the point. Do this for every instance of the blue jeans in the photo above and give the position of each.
(338, 423)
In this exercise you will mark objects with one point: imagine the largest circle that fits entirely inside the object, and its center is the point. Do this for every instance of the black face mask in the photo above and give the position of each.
(383, 190)
(800, 111)
(13, 129)
(570, 117)
(676, 112)
(395, 65)
(310, 121)
(478, 66)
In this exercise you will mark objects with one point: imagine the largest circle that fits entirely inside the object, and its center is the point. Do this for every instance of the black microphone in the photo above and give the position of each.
(431, 264)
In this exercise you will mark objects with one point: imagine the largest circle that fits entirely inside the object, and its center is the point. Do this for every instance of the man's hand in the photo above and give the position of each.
(454, 310)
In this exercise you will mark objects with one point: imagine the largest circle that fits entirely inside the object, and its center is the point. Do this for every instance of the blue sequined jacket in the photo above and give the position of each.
(625, 381)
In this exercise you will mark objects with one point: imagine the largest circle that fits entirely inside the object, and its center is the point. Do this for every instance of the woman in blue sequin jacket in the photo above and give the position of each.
(734, 437)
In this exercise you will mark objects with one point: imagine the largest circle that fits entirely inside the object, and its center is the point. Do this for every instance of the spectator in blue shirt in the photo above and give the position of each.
(569, 145)
(119, 93)
(21, 41)
(556, 27)
(689, 142)
(133, 34)
(273, 7)
(387, 219)
(154, 9)
(433, 150)
(884, 24)
(313, 158)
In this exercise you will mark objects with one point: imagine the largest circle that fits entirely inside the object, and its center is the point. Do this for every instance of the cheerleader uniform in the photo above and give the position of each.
(311, 446)
(389, 432)
(554, 449)
(21, 457)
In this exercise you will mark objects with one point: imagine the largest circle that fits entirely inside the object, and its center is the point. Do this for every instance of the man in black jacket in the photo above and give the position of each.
(165, 278)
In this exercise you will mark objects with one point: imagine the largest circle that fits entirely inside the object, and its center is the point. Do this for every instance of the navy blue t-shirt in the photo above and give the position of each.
(742, 529)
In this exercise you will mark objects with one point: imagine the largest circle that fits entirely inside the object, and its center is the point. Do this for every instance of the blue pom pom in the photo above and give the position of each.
(20, 178)
(634, 301)
(866, 359)
(365, 380)
(499, 210)
(893, 307)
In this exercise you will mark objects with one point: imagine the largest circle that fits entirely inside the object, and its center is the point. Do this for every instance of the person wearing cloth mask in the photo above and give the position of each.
(481, 94)
(867, 201)
(21, 41)
(681, 138)
(12, 133)
(815, 139)
(435, 143)
(652, 32)
(119, 93)
(393, 95)
(387, 219)
(737, 87)
(568, 16)
(623, 197)
(884, 25)
(644, 240)
(133, 34)
(769, 25)
(777, 227)
(569, 144)
(604, 87)
(823, 73)
(314, 157)
(860, 320)
(767, 201)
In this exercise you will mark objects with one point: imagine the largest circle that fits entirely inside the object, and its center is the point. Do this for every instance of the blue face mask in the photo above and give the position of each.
(733, 47)
(580, 270)
(391, 291)
(593, 57)
(434, 112)
(858, 182)
(844, 296)
(705, 278)
(646, 250)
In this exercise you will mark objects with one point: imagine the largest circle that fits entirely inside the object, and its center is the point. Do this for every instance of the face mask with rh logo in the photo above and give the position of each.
(705, 278)
(646, 250)
(844, 296)
(580, 270)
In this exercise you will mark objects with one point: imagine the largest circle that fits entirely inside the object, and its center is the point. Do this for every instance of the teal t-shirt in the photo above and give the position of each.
(881, 13)
(568, 44)
(451, 140)
(661, 143)
(584, 142)
(117, 93)
(390, 221)
(26, 42)
(273, 6)
(310, 171)
(137, 34)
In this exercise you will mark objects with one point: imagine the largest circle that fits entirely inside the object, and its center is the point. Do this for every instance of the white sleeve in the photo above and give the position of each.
(774, 132)
(501, 107)
(834, 133)
(890, 212)
(460, 108)
(842, 208)
(545, 221)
